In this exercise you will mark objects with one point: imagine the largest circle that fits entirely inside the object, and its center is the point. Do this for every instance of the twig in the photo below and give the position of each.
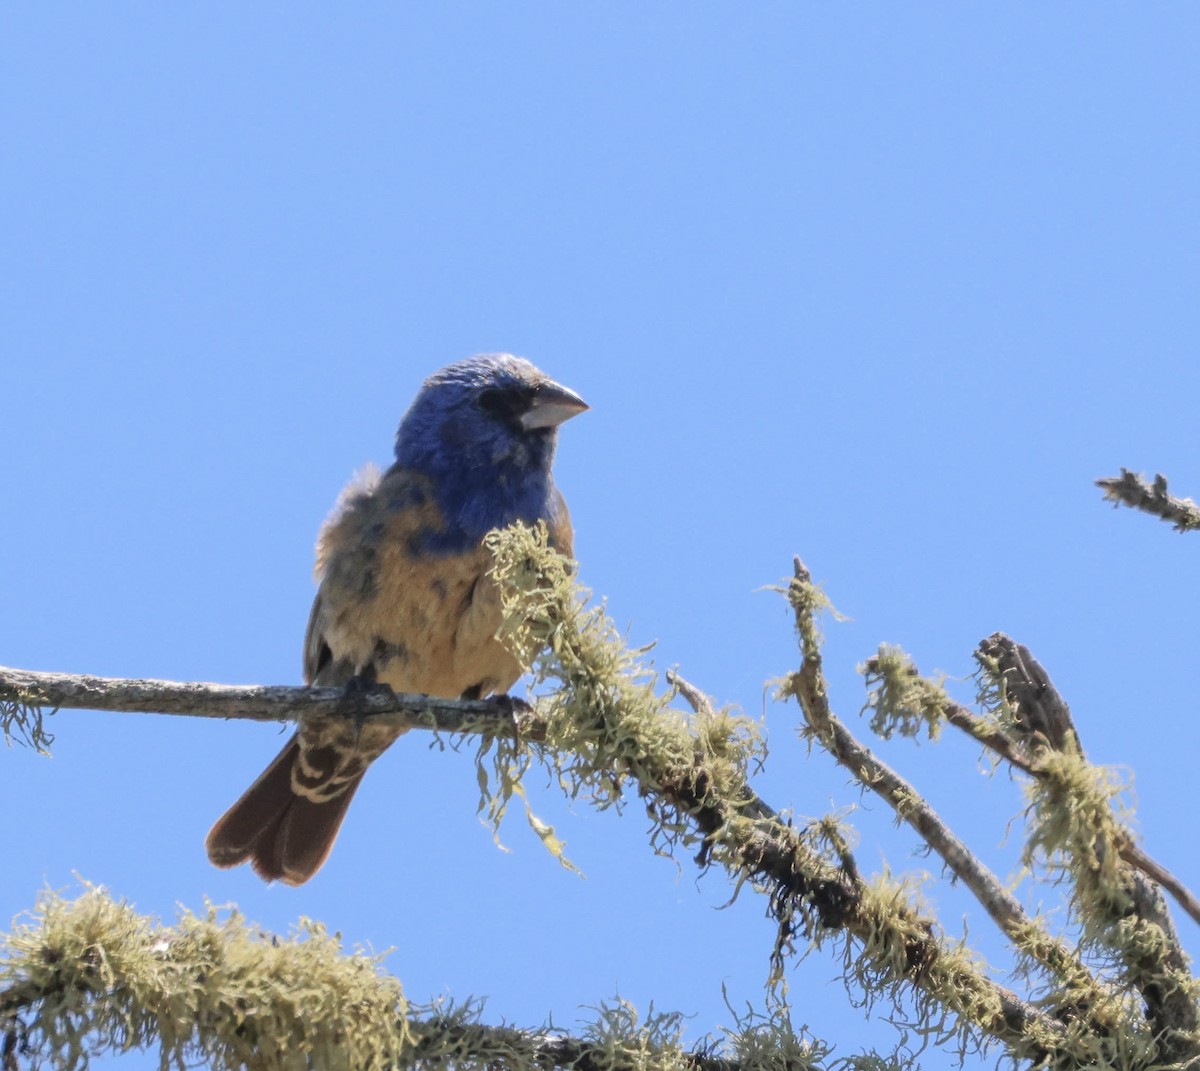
(987, 733)
(697, 699)
(991, 736)
(1041, 710)
(1134, 490)
(1136, 856)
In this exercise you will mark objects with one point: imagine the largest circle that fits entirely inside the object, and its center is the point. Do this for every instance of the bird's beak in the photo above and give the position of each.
(551, 405)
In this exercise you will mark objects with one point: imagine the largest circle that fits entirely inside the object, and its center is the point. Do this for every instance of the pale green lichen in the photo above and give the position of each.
(606, 727)
(93, 976)
(769, 1042)
(899, 698)
(606, 722)
(102, 978)
(1076, 833)
(24, 724)
(808, 601)
(991, 696)
(90, 976)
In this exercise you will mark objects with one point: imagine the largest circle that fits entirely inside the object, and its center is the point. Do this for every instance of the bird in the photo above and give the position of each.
(403, 595)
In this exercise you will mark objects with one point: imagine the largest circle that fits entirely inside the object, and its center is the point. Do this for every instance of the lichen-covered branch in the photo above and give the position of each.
(607, 727)
(1081, 998)
(603, 727)
(605, 730)
(92, 975)
(1134, 490)
(1135, 855)
(902, 700)
(1079, 986)
(1075, 833)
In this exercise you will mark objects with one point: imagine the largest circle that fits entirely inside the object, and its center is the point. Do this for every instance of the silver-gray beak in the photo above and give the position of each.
(552, 404)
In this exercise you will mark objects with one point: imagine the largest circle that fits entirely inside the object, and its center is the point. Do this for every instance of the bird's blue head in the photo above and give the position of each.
(484, 431)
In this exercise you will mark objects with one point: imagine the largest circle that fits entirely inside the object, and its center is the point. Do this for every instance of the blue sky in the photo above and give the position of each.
(888, 288)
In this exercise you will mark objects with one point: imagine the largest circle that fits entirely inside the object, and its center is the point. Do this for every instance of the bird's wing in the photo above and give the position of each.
(317, 655)
(562, 535)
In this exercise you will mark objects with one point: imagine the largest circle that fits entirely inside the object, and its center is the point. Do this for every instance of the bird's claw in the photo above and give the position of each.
(514, 706)
(354, 701)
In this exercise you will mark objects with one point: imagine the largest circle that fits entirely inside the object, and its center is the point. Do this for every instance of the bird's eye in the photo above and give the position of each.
(496, 402)
(506, 404)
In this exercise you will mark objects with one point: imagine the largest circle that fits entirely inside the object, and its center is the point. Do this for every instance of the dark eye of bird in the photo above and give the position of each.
(506, 405)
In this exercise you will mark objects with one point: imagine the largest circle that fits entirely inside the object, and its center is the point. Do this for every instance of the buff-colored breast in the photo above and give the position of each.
(422, 621)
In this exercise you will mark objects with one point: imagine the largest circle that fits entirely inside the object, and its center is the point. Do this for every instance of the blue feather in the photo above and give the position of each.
(487, 472)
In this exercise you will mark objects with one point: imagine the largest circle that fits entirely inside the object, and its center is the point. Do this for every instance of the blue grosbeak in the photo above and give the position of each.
(404, 596)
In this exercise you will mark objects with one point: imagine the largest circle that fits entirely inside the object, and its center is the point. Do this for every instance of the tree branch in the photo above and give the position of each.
(1041, 716)
(527, 1049)
(1085, 828)
(958, 988)
(698, 700)
(1136, 856)
(1005, 910)
(92, 975)
(1135, 491)
(766, 846)
(274, 703)
(1037, 717)
(605, 726)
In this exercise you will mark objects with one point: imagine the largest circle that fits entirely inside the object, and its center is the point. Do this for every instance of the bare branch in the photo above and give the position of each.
(987, 733)
(274, 703)
(697, 700)
(1041, 714)
(1134, 490)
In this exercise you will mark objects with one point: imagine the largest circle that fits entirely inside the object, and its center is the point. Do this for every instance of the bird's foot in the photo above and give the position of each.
(515, 707)
(514, 703)
(359, 688)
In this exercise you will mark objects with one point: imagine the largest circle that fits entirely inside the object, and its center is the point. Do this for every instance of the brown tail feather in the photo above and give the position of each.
(284, 836)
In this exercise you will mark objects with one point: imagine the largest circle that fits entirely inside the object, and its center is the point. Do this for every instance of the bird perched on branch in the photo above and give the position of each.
(404, 596)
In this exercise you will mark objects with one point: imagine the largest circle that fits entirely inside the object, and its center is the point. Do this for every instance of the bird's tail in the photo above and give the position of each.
(284, 835)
